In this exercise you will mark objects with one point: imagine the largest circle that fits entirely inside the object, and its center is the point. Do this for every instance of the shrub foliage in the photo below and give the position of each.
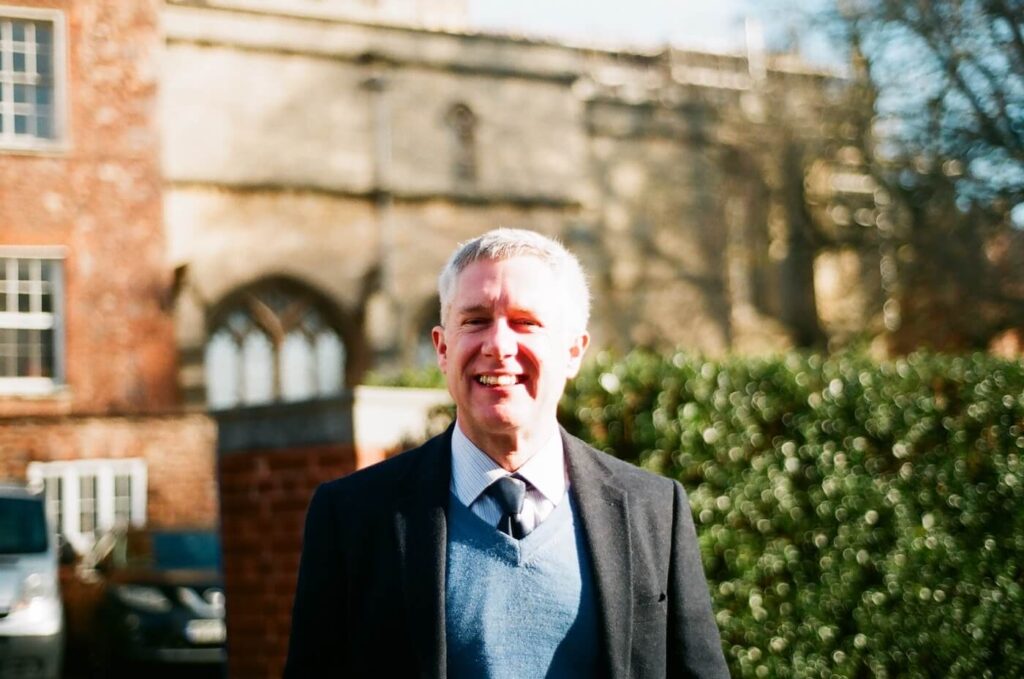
(856, 519)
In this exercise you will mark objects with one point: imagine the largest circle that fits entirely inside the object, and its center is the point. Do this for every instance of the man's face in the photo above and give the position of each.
(506, 349)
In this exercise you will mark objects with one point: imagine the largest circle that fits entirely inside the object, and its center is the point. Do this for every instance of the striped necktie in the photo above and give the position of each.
(510, 494)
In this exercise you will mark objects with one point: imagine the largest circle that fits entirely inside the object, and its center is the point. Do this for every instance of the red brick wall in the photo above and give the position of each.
(179, 451)
(101, 199)
(264, 495)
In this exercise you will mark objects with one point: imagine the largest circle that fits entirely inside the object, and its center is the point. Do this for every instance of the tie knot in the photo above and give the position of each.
(510, 494)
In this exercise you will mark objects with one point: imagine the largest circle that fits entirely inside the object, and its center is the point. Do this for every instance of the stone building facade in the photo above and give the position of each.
(338, 160)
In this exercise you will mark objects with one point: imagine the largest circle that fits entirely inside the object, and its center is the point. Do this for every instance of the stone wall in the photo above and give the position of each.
(322, 150)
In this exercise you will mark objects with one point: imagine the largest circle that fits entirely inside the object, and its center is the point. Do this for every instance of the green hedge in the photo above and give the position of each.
(856, 519)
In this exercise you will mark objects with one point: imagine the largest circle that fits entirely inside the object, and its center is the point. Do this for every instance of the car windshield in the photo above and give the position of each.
(197, 550)
(22, 526)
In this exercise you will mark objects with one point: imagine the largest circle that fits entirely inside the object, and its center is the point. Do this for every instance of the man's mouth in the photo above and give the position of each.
(499, 380)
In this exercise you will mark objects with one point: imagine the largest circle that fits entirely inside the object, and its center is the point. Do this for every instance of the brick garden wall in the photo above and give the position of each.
(264, 495)
(270, 459)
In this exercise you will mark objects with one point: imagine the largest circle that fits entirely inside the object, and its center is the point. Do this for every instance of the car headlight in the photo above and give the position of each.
(210, 605)
(143, 598)
(35, 587)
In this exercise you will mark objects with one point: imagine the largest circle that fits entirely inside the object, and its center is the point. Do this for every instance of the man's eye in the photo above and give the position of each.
(527, 322)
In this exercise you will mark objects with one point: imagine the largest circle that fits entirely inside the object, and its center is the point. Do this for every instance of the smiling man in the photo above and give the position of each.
(504, 547)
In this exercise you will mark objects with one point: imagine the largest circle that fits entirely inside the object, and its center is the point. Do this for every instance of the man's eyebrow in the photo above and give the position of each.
(475, 309)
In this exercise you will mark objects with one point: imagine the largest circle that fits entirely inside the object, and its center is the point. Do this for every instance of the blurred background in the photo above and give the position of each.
(221, 222)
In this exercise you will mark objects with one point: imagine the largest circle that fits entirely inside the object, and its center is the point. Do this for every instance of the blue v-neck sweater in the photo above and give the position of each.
(519, 609)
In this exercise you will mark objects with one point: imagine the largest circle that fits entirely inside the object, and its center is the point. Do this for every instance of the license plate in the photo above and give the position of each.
(205, 631)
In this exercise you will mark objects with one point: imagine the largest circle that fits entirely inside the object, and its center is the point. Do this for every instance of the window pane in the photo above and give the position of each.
(312, 323)
(21, 93)
(43, 65)
(87, 504)
(42, 96)
(8, 353)
(122, 499)
(20, 124)
(18, 31)
(24, 302)
(297, 368)
(43, 127)
(21, 353)
(222, 370)
(239, 322)
(52, 492)
(46, 353)
(258, 369)
(34, 353)
(44, 34)
(19, 62)
(330, 363)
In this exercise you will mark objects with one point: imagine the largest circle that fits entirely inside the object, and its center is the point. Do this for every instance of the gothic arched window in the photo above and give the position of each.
(462, 125)
(272, 343)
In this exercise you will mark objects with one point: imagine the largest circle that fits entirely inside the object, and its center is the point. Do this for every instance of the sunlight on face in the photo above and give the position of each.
(506, 349)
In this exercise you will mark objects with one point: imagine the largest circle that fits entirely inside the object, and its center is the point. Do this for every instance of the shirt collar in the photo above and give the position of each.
(473, 470)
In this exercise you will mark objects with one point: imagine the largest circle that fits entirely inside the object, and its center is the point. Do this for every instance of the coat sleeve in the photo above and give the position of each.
(695, 646)
(318, 641)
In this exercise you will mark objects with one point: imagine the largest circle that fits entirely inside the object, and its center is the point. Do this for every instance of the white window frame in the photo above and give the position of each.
(52, 320)
(26, 143)
(69, 472)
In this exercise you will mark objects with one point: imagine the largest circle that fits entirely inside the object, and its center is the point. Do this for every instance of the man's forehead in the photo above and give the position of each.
(525, 283)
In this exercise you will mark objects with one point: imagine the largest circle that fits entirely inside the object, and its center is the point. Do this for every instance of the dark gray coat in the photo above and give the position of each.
(370, 596)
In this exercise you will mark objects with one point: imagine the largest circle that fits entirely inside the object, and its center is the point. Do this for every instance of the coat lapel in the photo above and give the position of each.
(421, 534)
(605, 518)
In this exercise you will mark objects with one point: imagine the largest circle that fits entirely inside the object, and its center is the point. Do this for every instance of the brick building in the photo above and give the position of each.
(89, 402)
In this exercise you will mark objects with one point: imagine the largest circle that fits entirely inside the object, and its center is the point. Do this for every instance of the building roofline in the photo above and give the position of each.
(777, 62)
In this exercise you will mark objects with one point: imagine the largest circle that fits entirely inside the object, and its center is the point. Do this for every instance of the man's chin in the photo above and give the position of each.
(496, 420)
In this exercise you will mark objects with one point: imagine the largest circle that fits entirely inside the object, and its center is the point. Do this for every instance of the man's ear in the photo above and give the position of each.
(577, 347)
(437, 334)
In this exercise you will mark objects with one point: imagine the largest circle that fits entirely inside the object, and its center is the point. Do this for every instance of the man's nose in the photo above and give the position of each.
(500, 340)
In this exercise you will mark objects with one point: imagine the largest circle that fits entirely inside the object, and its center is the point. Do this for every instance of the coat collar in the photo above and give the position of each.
(421, 534)
(604, 514)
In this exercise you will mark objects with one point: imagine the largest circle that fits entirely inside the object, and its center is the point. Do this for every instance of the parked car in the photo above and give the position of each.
(161, 601)
(31, 616)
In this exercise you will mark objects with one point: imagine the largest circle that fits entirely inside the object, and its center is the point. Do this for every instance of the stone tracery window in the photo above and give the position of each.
(274, 343)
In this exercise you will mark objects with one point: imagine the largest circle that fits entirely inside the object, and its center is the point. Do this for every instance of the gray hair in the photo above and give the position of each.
(501, 244)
